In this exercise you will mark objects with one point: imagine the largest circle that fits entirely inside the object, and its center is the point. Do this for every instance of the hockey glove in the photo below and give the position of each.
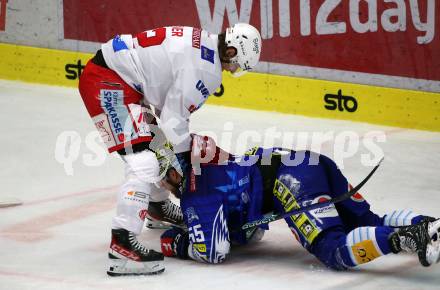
(174, 243)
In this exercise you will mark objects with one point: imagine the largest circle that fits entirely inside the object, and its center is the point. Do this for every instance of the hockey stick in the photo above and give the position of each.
(9, 201)
(342, 197)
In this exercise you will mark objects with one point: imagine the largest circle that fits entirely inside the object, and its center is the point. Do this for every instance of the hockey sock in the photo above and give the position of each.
(399, 218)
(365, 244)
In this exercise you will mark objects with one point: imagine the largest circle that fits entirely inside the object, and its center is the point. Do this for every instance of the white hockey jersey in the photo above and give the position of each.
(175, 68)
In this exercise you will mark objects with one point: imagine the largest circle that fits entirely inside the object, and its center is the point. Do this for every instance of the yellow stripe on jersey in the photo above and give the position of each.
(306, 227)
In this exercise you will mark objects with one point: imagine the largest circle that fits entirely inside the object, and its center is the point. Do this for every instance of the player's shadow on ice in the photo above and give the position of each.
(267, 252)
(291, 256)
(407, 268)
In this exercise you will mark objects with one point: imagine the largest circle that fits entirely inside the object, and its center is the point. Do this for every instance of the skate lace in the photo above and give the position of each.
(172, 211)
(136, 245)
(408, 244)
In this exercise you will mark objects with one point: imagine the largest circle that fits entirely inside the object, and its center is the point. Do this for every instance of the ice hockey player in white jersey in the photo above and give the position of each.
(136, 83)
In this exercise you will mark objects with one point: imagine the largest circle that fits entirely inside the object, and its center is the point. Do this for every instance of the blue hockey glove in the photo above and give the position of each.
(174, 243)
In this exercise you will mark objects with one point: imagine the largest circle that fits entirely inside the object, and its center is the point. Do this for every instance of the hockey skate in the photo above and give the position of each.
(164, 215)
(433, 249)
(128, 257)
(422, 239)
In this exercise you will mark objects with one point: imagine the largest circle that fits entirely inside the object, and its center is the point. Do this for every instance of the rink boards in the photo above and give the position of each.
(292, 95)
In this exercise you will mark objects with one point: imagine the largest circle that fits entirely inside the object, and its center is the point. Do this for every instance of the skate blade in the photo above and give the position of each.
(161, 225)
(10, 201)
(122, 267)
(119, 274)
(157, 225)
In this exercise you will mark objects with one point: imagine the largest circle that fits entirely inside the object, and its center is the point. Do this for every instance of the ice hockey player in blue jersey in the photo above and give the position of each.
(218, 201)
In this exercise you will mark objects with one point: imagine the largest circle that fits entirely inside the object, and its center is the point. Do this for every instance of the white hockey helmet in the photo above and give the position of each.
(247, 41)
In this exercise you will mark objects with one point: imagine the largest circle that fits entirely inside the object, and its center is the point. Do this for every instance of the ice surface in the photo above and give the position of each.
(59, 237)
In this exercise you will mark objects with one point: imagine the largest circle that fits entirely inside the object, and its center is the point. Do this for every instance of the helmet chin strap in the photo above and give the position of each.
(239, 72)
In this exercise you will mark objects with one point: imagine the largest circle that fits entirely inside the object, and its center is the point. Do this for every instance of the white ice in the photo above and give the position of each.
(58, 238)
